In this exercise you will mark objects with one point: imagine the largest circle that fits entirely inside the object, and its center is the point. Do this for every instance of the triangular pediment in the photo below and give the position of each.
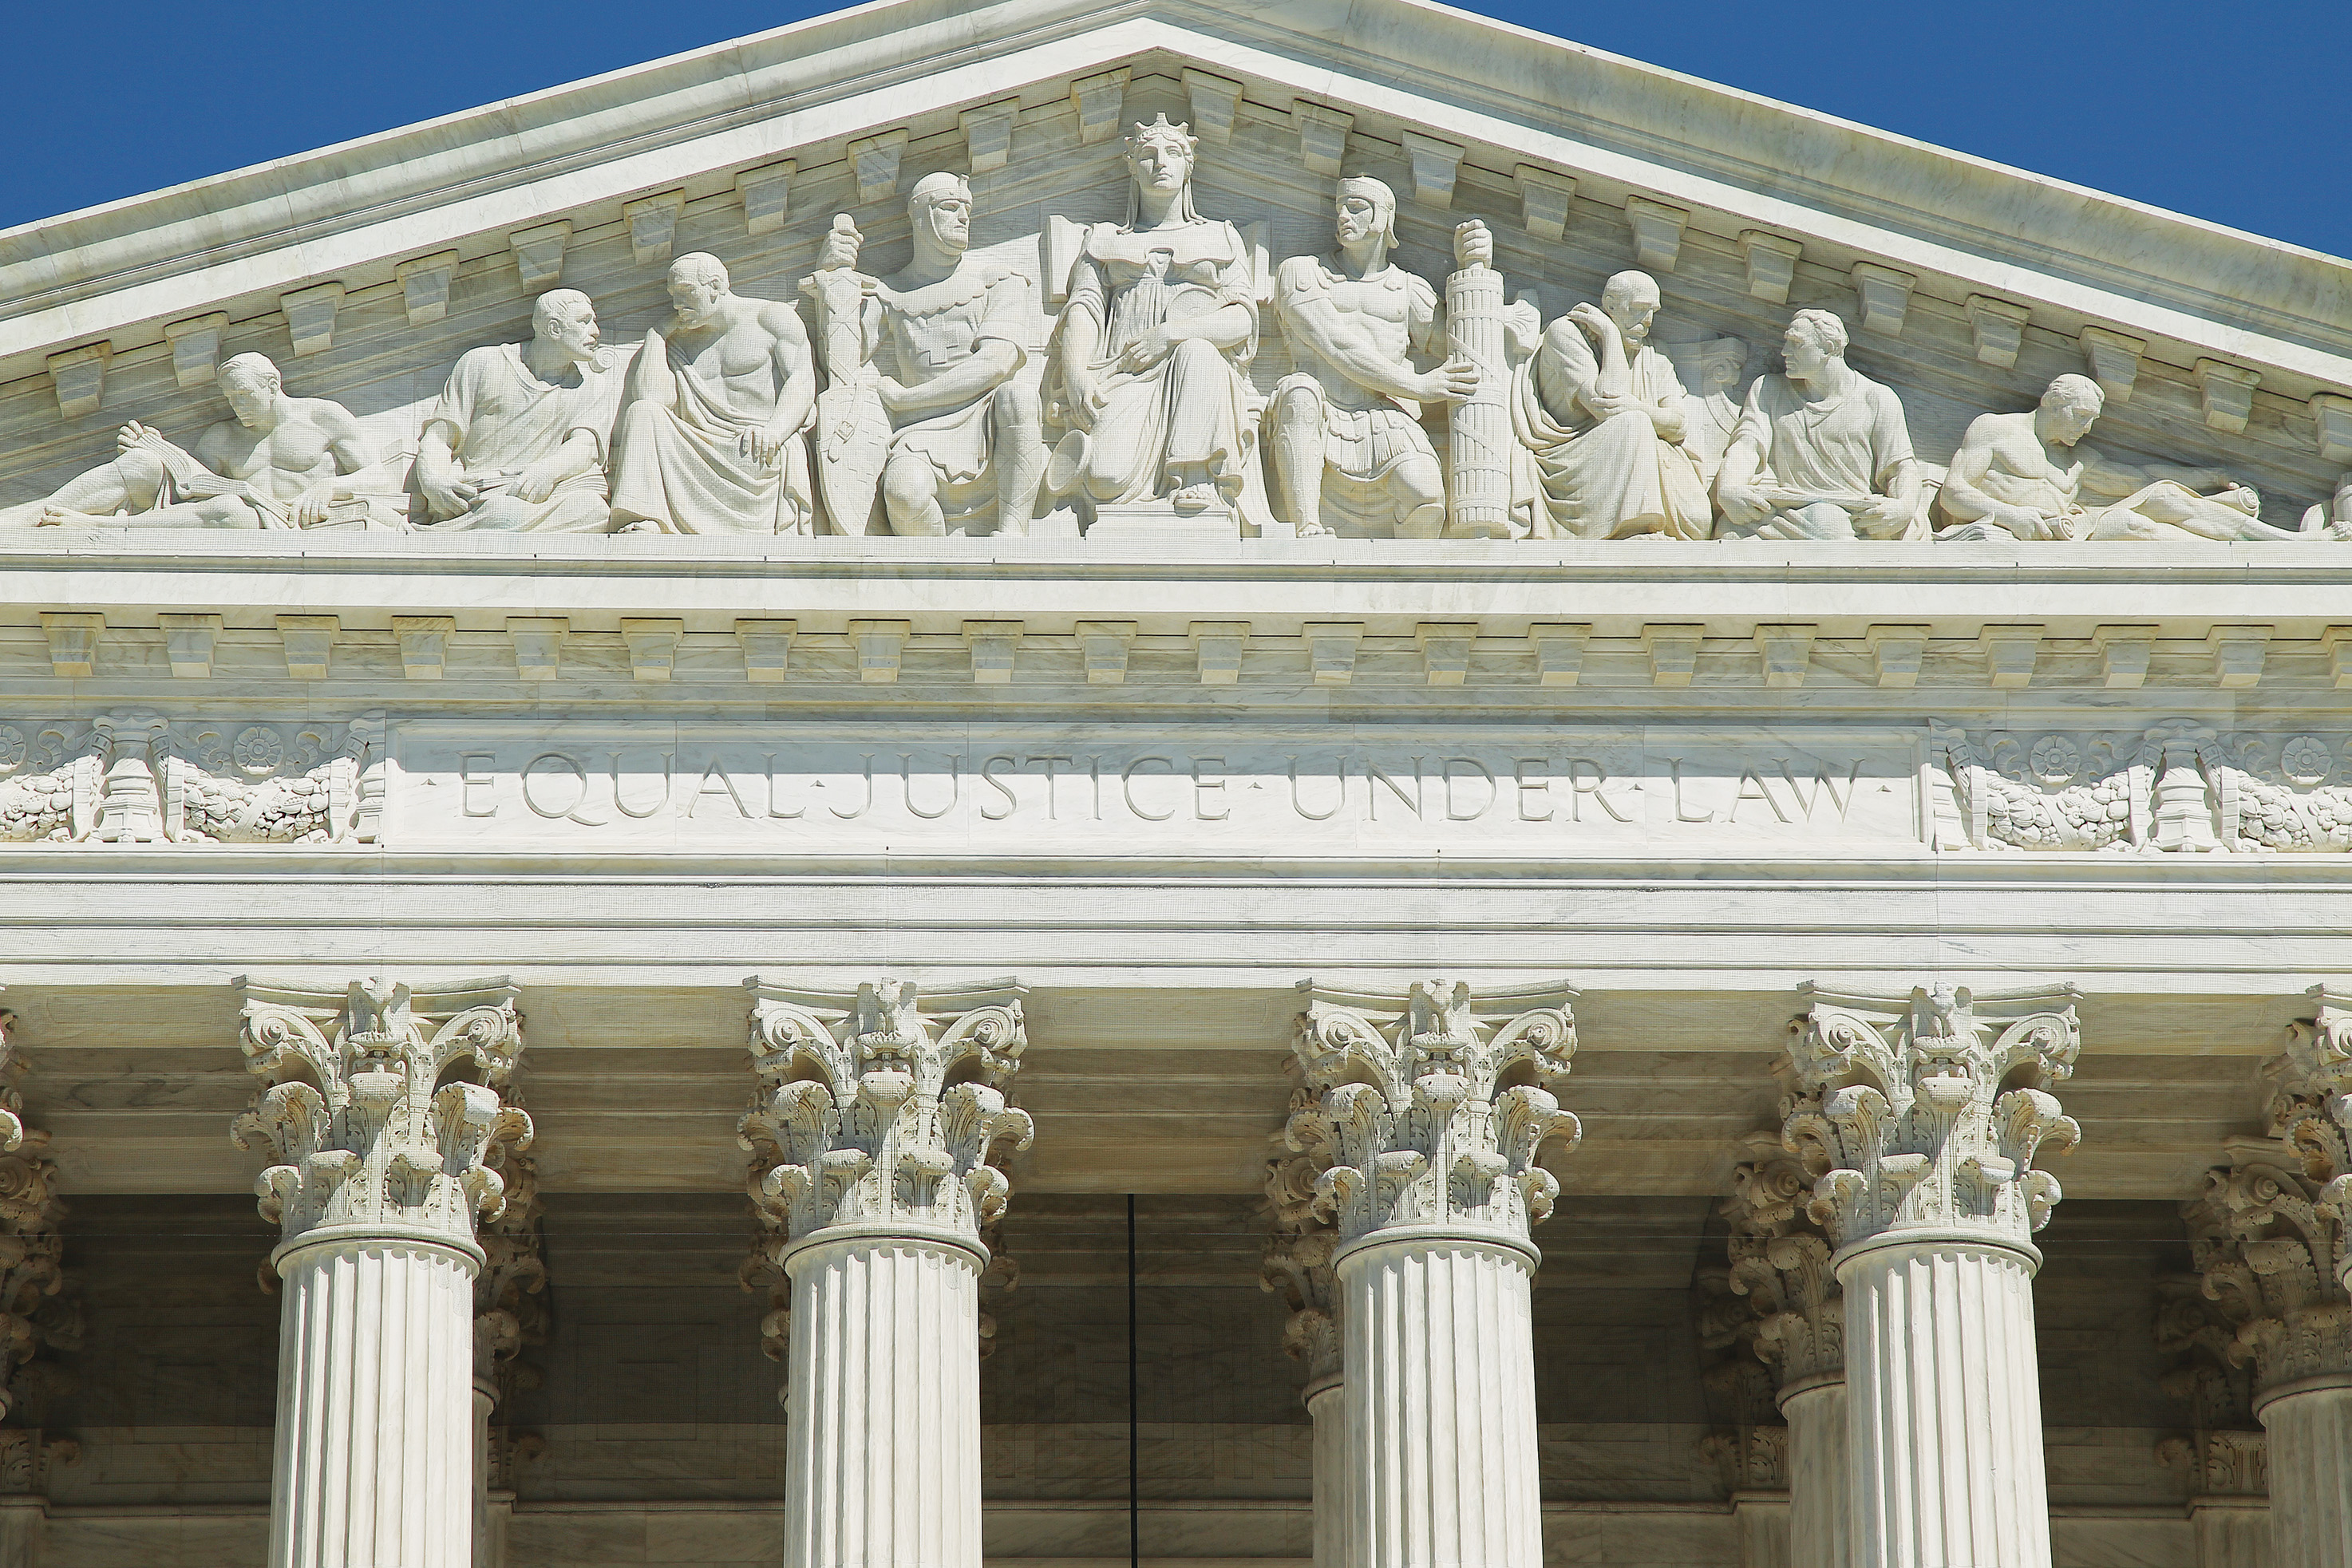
(365, 270)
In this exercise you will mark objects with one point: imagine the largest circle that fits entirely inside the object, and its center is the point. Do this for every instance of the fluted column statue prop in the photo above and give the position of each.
(383, 1118)
(1429, 1178)
(1924, 1116)
(871, 1129)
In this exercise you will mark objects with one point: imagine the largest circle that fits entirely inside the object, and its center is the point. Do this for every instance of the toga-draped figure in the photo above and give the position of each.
(1603, 413)
(518, 438)
(719, 397)
(1148, 355)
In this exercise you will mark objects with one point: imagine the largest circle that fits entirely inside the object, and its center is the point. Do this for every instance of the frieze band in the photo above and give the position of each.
(904, 411)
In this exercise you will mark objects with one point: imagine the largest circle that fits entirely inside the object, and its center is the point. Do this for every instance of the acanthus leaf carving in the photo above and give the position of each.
(1297, 1264)
(1420, 1117)
(381, 1106)
(35, 1314)
(1794, 1316)
(883, 1106)
(1907, 1115)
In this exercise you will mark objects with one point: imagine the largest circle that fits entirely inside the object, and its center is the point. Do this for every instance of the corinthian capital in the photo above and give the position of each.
(2310, 1110)
(1296, 1265)
(1428, 1108)
(369, 1121)
(1780, 1267)
(2266, 1243)
(883, 1106)
(1908, 1113)
(33, 1315)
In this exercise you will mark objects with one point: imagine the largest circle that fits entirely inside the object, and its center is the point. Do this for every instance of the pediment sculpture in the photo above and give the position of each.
(916, 404)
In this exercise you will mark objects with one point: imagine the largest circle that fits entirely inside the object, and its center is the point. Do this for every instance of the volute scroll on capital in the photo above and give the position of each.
(381, 1106)
(1926, 1113)
(1429, 1108)
(884, 1107)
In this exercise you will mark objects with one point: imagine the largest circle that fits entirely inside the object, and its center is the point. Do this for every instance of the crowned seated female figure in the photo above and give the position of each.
(1147, 369)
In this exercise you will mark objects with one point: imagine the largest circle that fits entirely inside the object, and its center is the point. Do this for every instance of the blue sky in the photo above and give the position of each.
(2241, 114)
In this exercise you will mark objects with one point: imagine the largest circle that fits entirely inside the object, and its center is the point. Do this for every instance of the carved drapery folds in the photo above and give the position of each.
(139, 777)
(1430, 1109)
(883, 1107)
(1911, 1115)
(381, 1109)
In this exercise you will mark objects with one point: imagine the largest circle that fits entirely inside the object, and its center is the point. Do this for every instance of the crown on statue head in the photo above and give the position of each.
(1159, 130)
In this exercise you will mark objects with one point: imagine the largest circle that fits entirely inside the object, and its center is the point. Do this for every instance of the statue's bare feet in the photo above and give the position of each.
(1194, 498)
(642, 526)
(1313, 531)
(66, 517)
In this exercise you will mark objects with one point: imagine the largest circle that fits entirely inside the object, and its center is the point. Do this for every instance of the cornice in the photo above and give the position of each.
(118, 272)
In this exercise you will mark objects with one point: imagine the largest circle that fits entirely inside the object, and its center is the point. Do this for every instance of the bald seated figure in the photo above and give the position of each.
(711, 438)
(1604, 415)
(280, 463)
(2028, 477)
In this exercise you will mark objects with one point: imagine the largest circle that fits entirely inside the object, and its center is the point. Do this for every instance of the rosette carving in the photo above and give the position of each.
(1927, 1111)
(882, 1107)
(1429, 1108)
(381, 1106)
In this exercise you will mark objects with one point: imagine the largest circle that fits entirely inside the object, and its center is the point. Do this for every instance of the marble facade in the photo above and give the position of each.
(1355, 688)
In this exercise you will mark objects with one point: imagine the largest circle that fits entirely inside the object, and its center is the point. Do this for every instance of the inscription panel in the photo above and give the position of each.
(1164, 791)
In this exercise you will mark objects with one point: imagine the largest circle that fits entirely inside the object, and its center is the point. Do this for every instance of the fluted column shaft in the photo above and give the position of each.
(2309, 1428)
(1945, 1405)
(882, 1416)
(374, 1464)
(2233, 1533)
(1326, 1406)
(1442, 1458)
(1821, 1480)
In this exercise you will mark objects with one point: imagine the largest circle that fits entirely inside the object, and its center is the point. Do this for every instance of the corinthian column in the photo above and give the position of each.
(1297, 1266)
(32, 1318)
(381, 1149)
(872, 1171)
(1429, 1176)
(1780, 1264)
(2268, 1236)
(1928, 1194)
(510, 1312)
